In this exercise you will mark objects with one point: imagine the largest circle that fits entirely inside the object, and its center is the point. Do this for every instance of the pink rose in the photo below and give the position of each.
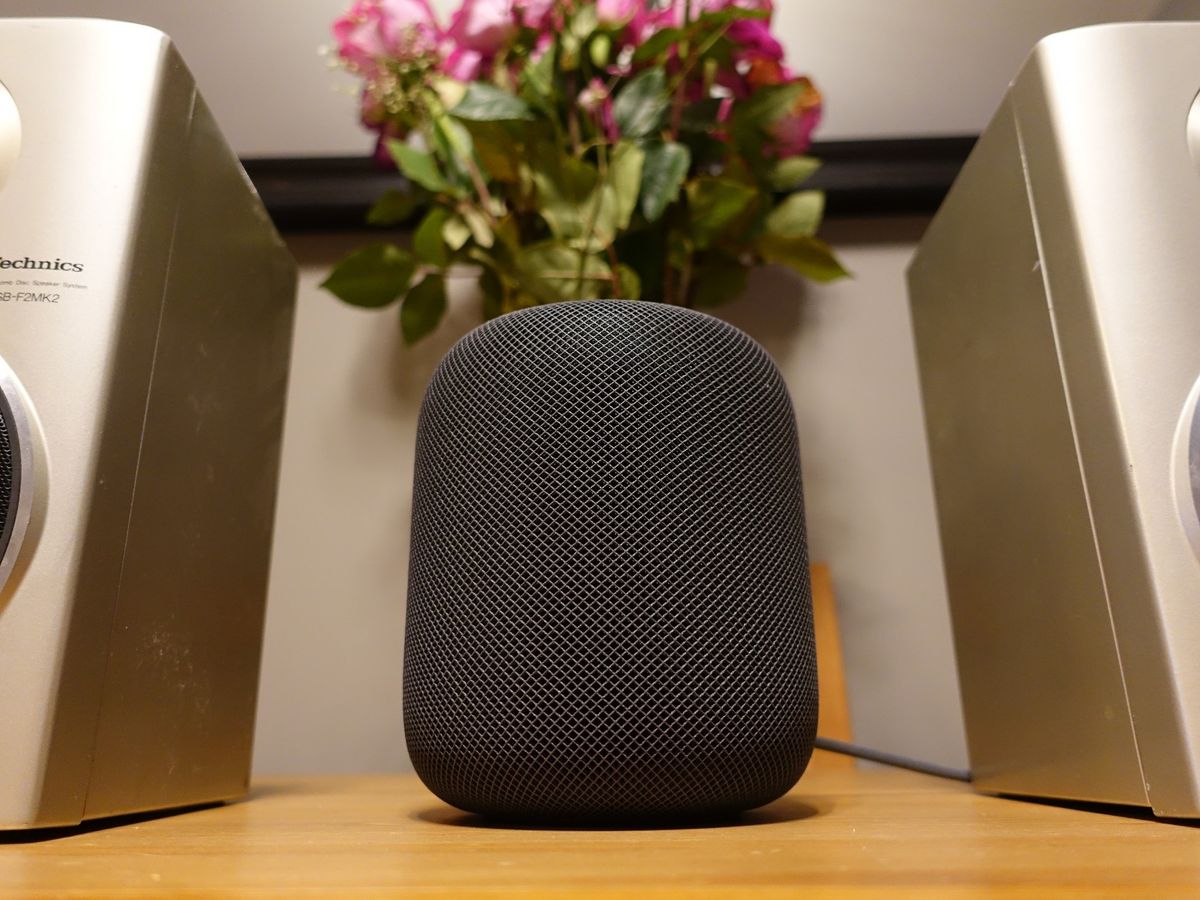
(647, 21)
(372, 112)
(372, 29)
(608, 121)
(764, 72)
(618, 12)
(536, 14)
(754, 40)
(409, 28)
(597, 101)
(757, 55)
(358, 35)
(718, 5)
(544, 42)
(592, 96)
(483, 25)
(463, 64)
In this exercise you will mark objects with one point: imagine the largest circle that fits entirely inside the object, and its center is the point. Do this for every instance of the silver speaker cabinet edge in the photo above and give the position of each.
(609, 610)
(145, 328)
(1054, 307)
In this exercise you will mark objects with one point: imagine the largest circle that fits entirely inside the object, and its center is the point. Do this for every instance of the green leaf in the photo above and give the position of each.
(714, 204)
(659, 42)
(798, 215)
(486, 103)
(456, 233)
(429, 245)
(785, 174)
(767, 105)
(551, 271)
(569, 47)
(585, 21)
(481, 229)
(395, 207)
(624, 182)
(810, 257)
(372, 277)
(449, 91)
(640, 107)
(492, 288)
(718, 280)
(581, 25)
(423, 308)
(600, 49)
(663, 174)
(580, 206)
(753, 117)
(418, 166)
(498, 149)
(455, 147)
(563, 185)
(537, 83)
(730, 14)
(630, 284)
(508, 230)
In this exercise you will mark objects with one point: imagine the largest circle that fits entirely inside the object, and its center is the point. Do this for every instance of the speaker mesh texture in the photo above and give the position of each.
(9, 474)
(609, 611)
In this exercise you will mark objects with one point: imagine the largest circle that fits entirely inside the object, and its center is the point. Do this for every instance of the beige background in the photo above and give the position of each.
(887, 67)
(331, 679)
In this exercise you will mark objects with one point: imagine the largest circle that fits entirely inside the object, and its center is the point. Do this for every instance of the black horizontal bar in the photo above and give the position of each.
(860, 178)
(888, 177)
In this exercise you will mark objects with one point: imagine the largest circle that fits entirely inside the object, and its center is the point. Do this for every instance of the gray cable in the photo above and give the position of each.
(891, 759)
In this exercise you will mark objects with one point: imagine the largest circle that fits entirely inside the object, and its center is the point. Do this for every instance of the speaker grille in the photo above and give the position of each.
(9, 474)
(608, 612)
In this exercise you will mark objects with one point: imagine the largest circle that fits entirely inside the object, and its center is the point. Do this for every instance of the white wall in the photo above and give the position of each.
(330, 694)
(915, 67)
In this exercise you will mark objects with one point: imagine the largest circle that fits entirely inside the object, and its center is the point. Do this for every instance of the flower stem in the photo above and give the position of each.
(593, 216)
(573, 117)
(614, 263)
(481, 188)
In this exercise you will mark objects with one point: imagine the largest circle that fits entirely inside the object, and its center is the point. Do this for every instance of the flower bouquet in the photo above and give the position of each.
(578, 149)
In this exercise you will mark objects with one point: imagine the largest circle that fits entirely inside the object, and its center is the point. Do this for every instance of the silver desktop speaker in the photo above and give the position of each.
(145, 320)
(609, 613)
(1057, 320)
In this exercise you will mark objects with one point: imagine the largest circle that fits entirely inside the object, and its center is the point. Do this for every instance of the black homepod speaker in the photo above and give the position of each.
(609, 609)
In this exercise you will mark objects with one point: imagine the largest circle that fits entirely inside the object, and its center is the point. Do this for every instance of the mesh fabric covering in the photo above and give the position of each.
(609, 613)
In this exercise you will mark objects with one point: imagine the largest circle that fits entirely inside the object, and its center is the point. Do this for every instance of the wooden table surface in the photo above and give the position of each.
(841, 833)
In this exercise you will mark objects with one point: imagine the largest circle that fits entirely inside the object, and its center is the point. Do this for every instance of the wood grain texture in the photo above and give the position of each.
(838, 834)
(834, 718)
